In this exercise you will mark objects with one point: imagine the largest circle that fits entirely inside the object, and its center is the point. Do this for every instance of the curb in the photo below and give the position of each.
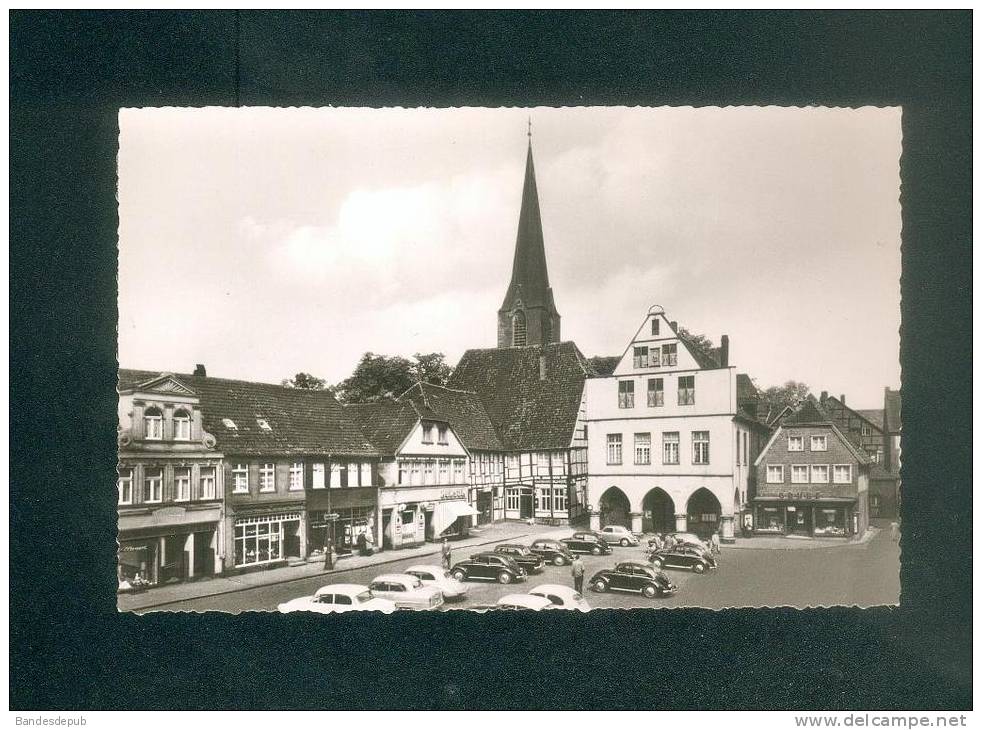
(305, 577)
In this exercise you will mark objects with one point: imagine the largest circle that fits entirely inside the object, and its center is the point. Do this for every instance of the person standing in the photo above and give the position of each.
(576, 568)
(895, 531)
(445, 550)
(714, 543)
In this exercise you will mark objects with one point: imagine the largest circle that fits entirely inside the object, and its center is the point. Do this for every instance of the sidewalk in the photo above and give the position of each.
(485, 535)
(799, 543)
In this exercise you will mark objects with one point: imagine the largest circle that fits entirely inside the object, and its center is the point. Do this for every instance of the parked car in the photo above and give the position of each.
(634, 577)
(522, 555)
(488, 566)
(689, 538)
(618, 535)
(561, 597)
(552, 551)
(524, 601)
(587, 542)
(687, 557)
(439, 577)
(407, 592)
(339, 598)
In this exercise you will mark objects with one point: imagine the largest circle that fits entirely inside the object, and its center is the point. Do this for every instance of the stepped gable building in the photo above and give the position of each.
(813, 480)
(295, 469)
(673, 433)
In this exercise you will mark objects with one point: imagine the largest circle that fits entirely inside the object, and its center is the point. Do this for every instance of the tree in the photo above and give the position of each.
(792, 393)
(381, 378)
(699, 342)
(304, 381)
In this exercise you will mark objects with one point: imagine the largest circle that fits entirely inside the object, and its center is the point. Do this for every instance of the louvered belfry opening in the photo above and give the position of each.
(519, 336)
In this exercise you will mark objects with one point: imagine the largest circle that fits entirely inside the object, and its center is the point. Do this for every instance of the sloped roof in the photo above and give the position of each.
(874, 416)
(527, 413)
(808, 413)
(462, 409)
(301, 421)
(891, 407)
(604, 364)
(702, 359)
(385, 423)
(746, 390)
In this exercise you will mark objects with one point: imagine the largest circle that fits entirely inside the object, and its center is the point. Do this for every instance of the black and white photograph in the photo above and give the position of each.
(508, 359)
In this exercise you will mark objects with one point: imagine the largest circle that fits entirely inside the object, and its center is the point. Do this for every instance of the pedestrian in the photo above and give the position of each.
(714, 543)
(895, 531)
(576, 568)
(445, 550)
(328, 555)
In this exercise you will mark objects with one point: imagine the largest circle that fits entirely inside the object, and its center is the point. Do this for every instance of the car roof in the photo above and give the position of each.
(634, 564)
(511, 545)
(438, 569)
(553, 588)
(395, 578)
(524, 599)
(346, 588)
(489, 553)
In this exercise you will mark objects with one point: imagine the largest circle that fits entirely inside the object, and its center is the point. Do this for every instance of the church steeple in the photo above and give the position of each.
(528, 314)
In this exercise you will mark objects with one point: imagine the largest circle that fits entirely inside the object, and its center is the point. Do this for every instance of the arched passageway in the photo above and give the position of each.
(659, 512)
(703, 512)
(615, 508)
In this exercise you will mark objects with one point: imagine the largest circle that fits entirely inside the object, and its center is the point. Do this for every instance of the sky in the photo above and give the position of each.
(264, 242)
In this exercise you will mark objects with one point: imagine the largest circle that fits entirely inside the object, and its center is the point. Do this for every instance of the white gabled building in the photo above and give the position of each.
(670, 448)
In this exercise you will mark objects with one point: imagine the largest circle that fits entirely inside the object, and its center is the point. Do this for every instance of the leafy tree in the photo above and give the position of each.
(381, 378)
(699, 342)
(792, 393)
(304, 381)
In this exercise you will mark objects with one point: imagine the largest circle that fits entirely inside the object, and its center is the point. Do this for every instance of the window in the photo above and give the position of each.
(427, 432)
(153, 424)
(125, 486)
(182, 426)
(182, 484)
(458, 471)
(296, 476)
(796, 443)
(654, 327)
(207, 482)
(799, 474)
(512, 499)
(656, 392)
(842, 474)
(669, 354)
(428, 471)
(746, 453)
(625, 394)
(670, 447)
(415, 473)
(820, 473)
(318, 474)
(441, 435)
(687, 390)
(240, 479)
(518, 330)
(700, 447)
(267, 478)
(444, 471)
(559, 499)
(366, 473)
(775, 474)
(403, 477)
(642, 448)
(640, 357)
(614, 448)
(866, 430)
(820, 443)
(263, 424)
(153, 490)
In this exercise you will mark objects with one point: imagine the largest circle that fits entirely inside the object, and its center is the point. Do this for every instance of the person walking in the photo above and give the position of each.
(576, 568)
(895, 531)
(714, 543)
(445, 550)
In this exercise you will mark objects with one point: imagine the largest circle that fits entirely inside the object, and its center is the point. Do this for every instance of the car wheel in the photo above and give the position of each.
(595, 550)
(504, 578)
(600, 585)
(559, 560)
(625, 542)
(657, 562)
(649, 591)
(699, 568)
(459, 575)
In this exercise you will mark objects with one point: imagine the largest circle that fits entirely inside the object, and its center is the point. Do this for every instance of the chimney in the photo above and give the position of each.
(199, 371)
(675, 326)
(542, 367)
(842, 399)
(824, 397)
(724, 351)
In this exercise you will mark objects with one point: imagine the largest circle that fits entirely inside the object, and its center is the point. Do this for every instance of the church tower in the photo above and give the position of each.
(528, 315)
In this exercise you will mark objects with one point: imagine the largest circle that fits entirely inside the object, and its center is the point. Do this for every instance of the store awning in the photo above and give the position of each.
(446, 513)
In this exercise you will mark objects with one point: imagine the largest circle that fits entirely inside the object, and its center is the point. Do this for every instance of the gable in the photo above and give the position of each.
(164, 384)
(659, 348)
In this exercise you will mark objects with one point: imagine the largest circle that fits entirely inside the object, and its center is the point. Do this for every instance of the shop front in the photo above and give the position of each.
(266, 540)
(167, 545)
(412, 516)
(346, 517)
(805, 518)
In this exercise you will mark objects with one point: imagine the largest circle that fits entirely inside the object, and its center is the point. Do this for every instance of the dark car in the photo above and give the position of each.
(552, 551)
(635, 577)
(488, 566)
(686, 557)
(521, 554)
(586, 542)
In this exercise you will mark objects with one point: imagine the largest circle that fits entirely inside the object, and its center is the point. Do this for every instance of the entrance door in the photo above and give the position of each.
(525, 504)
(204, 554)
(484, 507)
(174, 565)
(799, 520)
(291, 539)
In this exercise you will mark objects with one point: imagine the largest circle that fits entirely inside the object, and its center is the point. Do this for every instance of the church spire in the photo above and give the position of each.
(528, 314)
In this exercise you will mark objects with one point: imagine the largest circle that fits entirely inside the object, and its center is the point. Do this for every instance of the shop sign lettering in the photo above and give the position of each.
(453, 494)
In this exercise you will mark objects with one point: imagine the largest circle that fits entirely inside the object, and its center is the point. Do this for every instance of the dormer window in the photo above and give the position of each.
(182, 426)
(229, 424)
(427, 432)
(153, 424)
(441, 435)
(263, 424)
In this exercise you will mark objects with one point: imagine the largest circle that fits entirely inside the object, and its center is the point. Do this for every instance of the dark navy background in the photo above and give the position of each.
(70, 72)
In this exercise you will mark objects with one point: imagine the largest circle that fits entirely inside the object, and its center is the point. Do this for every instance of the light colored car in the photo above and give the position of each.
(618, 535)
(439, 577)
(406, 591)
(561, 597)
(523, 601)
(689, 538)
(338, 598)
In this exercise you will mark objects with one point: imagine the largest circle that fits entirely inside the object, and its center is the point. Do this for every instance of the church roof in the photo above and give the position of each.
(527, 412)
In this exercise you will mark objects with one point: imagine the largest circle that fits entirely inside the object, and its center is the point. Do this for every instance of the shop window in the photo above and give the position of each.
(799, 474)
(153, 489)
(182, 426)
(124, 485)
(267, 478)
(642, 448)
(820, 474)
(614, 448)
(775, 474)
(640, 357)
(842, 474)
(625, 394)
(240, 479)
(796, 443)
(770, 519)
(182, 484)
(441, 436)
(258, 540)
(700, 447)
(296, 476)
(669, 354)
(670, 447)
(153, 424)
(317, 474)
(830, 521)
(656, 392)
(819, 443)
(687, 390)
(207, 480)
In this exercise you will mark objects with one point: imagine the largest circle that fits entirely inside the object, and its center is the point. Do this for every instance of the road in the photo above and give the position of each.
(862, 575)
